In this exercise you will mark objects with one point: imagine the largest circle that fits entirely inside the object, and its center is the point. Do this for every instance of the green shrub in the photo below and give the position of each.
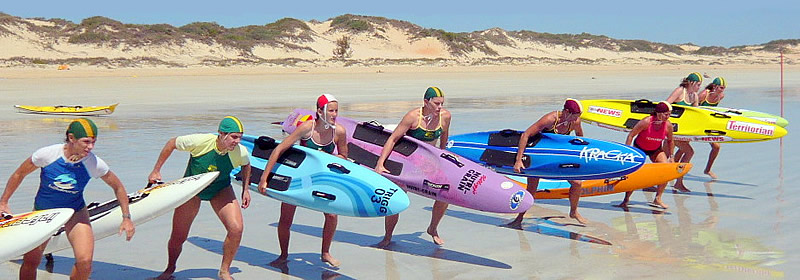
(203, 29)
(88, 38)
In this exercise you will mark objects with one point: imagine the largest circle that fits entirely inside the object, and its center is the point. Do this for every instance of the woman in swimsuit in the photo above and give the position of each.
(558, 122)
(686, 95)
(429, 124)
(209, 152)
(651, 134)
(711, 96)
(65, 171)
(321, 134)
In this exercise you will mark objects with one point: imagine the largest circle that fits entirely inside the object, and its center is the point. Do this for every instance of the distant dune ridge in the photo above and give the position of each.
(373, 41)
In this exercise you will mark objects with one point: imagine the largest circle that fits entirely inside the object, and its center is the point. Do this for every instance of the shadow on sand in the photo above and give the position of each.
(410, 243)
(101, 270)
(304, 266)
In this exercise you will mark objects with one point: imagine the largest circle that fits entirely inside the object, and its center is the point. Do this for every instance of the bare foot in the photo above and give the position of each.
(515, 224)
(711, 174)
(280, 260)
(578, 217)
(167, 274)
(224, 275)
(435, 236)
(383, 244)
(623, 204)
(681, 188)
(329, 260)
(658, 204)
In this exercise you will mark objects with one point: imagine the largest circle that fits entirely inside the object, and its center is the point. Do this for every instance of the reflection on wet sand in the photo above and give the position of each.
(538, 226)
(699, 247)
(60, 123)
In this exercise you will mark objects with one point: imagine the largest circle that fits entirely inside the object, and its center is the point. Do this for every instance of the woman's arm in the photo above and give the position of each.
(155, 175)
(578, 128)
(638, 128)
(401, 129)
(122, 196)
(340, 137)
(301, 130)
(673, 97)
(14, 181)
(535, 128)
(446, 117)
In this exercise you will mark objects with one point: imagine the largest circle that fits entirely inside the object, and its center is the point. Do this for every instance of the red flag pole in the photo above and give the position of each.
(782, 83)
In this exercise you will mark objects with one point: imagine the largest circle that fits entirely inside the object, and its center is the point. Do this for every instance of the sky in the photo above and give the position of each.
(704, 23)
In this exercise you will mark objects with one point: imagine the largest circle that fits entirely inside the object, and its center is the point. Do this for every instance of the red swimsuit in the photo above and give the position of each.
(650, 139)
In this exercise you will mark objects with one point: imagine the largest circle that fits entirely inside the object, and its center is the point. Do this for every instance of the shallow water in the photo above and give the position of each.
(739, 226)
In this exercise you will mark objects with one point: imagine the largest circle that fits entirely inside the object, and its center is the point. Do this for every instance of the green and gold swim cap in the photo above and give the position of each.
(231, 124)
(433, 92)
(82, 127)
(695, 77)
(720, 81)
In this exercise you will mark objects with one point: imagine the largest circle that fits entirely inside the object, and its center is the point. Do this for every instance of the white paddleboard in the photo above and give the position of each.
(25, 231)
(145, 204)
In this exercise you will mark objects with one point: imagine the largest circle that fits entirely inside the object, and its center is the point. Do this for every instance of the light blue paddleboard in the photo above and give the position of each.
(323, 182)
(548, 155)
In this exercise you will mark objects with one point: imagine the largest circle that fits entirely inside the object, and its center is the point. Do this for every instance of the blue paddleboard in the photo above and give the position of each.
(548, 155)
(322, 182)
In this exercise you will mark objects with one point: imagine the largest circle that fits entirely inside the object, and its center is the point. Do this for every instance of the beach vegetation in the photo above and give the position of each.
(712, 50)
(5, 19)
(458, 44)
(342, 50)
(587, 40)
(203, 30)
(350, 23)
(780, 45)
(92, 23)
(92, 61)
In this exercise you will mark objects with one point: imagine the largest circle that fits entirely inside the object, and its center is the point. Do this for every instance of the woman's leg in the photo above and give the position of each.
(439, 208)
(389, 224)
(660, 157)
(182, 220)
(31, 261)
(712, 156)
(574, 197)
(687, 153)
(230, 214)
(284, 230)
(532, 186)
(328, 230)
(80, 235)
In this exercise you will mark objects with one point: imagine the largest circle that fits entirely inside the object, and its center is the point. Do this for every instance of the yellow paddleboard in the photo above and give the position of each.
(649, 175)
(690, 123)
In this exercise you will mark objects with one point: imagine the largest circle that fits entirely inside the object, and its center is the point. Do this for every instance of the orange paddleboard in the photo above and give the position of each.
(649, 175)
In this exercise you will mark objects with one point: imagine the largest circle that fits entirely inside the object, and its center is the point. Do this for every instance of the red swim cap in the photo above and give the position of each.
(663, 106)
(324, 99)
(573, 106)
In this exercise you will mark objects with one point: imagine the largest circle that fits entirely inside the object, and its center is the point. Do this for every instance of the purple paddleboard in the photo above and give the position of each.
(426, 170)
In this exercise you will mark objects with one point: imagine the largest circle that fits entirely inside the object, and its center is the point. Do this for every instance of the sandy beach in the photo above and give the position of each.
(737, 227)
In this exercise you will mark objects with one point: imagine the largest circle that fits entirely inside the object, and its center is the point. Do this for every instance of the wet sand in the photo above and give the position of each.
(739, 226)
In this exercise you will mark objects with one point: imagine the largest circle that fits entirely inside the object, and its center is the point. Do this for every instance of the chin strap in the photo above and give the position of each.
(325, 118)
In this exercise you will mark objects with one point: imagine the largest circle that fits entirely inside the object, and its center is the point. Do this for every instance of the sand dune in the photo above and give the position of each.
(373, 41)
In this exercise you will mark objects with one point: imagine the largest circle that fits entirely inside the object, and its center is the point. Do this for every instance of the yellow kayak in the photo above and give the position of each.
(68, 110)
(690, 123)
